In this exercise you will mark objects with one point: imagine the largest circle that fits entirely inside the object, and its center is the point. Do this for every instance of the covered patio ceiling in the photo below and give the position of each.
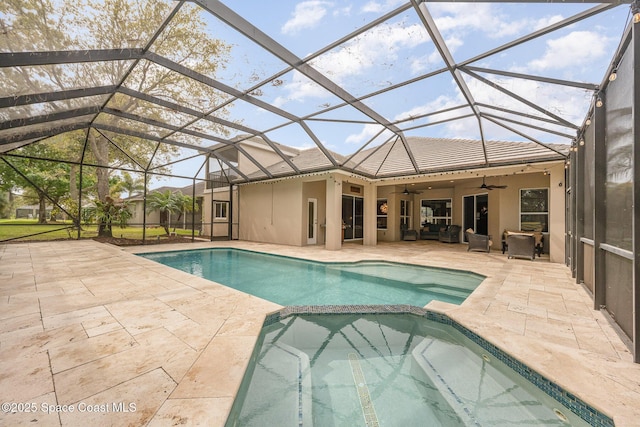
(165, 82)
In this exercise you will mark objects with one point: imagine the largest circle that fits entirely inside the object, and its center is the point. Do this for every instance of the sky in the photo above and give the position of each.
(398, 50)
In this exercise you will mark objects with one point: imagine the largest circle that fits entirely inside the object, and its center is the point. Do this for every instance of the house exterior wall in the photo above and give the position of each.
(276, 212)
(315, 190)
(261, 153)
(272, 212)
(220, 226)
(557, 214)
(138, 214)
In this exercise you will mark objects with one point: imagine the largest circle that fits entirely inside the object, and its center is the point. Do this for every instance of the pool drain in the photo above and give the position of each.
(368, 411)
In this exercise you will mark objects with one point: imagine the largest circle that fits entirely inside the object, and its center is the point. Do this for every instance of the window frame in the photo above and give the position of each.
(545, 229)
(448, 218)
(223, 206)
(382, 217)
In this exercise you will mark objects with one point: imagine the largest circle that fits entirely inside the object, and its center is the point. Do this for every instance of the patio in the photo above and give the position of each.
(91, 325)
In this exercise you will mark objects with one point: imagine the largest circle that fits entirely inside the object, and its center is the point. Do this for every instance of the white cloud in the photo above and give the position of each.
(377, 46)
(546, 21)
(300, 88)
(368, 132)
(440, 103)
(343, 11)
(378, 7)
(421, 65)
(485, 18)
(306, 15)
(567, 103)
(575, 49)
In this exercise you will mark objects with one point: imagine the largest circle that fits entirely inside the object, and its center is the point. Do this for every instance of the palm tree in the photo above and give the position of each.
(185, 205)
(129, 184)
(132, 185)
(164, 202)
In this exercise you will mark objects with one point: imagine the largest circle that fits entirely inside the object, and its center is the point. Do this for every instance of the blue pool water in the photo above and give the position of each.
(388, 370)
(291, 281)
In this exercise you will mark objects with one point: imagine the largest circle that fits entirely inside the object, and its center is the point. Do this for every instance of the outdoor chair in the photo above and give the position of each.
(406, 234)
(450, 234)
(539, 237)
(478, 242)
(521, 246)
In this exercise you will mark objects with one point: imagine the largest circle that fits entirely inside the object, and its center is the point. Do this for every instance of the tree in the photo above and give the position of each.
(41, 181)
(185, 205)
(5, 205)
(129, 184)
(165, 202)
(51, 25)
(110, 212)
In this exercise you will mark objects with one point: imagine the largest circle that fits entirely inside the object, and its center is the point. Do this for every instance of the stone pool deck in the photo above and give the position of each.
(122, 340)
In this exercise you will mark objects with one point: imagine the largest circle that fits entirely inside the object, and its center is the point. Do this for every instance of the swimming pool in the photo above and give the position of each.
(292, 281)
(389, 368)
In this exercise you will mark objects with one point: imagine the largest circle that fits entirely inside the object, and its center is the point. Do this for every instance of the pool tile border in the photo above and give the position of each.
(589, 414)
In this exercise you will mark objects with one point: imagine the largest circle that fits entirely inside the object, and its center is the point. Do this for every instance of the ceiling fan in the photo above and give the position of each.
(406, 191)
(489, 187)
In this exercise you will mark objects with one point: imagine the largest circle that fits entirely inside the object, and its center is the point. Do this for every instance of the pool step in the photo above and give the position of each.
(433, 288)
(480, 393)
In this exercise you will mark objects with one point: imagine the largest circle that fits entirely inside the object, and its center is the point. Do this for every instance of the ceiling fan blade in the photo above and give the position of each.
(493, 187)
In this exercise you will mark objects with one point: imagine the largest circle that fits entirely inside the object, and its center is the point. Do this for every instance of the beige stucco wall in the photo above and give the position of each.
(261, 153)
(314, 190)
(272, 212)
(557, 209)
(220, 226)
(276, 212)
(137, 208)
(504, 205)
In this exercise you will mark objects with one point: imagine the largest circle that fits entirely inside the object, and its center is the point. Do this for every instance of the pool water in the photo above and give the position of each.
(383, 370)
(291, 281)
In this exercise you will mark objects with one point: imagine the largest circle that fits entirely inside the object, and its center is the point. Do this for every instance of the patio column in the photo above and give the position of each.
(557, 199)
(333, 238)
(370, 215)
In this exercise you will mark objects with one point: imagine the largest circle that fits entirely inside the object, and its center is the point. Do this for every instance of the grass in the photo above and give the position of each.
(22, 229)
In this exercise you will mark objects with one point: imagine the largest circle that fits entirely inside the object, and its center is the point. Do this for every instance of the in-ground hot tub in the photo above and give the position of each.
(388, 366)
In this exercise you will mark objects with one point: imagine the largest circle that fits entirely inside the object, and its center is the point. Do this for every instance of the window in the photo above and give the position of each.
(534, 209)
(381, 211)
(435, 211)
(405, 213)
(220, 210)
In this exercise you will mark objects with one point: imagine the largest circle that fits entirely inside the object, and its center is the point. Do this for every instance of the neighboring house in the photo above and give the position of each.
(317, 207)
(156, 218)
(30, 212)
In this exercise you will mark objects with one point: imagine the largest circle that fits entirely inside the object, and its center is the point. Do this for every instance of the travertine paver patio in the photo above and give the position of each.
(122, 340)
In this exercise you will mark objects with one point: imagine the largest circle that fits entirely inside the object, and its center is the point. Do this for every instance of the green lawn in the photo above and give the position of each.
(11, 228)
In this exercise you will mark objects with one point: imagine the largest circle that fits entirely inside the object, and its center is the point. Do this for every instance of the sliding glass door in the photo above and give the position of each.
(353, 217)
(475, 213)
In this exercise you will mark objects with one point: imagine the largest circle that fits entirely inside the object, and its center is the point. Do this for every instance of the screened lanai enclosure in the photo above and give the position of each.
(155, 114)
